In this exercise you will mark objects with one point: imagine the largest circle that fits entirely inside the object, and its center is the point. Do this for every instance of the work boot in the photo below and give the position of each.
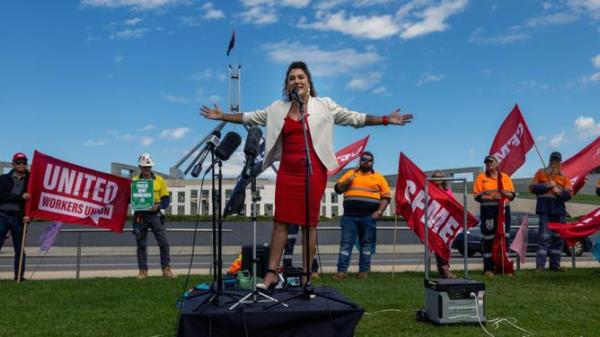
(166, 272)
(339, 276)
(489, 274)
(362, 275)
(142, 274)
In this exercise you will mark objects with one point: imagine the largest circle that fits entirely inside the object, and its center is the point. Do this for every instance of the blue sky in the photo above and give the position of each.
(100, 81)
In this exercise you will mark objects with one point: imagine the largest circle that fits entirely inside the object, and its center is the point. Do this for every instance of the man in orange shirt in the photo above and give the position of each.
(553, 189)
(366, 196)
(488, 193)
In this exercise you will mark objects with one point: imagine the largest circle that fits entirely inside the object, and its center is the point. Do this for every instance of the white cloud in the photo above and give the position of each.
(364, 82)
(591, 7)
(141, 5)
(586, 127)
(478, 37)
(130, 33)
(595, 77)
(596, 61)
(283, 3)
(176, 99)
(211, 13)
(556, 140)
(321, 62)
(259, 16)
(118, 59)
(148, 127)
(208, 74)
(176, 133)
(380, 90)
(146, 141)
(133, 21)
(431, 19)
(95, 142)
(329, 4)
(427, 77)
(370, 27)
(550, 20)
(202, 97)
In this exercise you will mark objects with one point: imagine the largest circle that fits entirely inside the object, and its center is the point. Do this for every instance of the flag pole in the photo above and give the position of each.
(539, 154)
(22, 251)
(394, 245)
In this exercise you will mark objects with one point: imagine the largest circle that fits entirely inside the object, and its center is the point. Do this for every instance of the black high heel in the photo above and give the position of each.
(271, 286)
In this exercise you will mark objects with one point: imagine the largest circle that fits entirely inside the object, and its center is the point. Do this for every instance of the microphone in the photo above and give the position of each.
(211, 143)
(231, 141)
(251, 150)
(296, 96)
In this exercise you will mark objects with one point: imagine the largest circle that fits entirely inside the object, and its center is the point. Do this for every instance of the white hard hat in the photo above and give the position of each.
(145, 160)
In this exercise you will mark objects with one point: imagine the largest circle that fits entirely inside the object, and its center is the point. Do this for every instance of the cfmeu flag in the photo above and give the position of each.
(581, 164)
(231, 43)
(65, 192)
(445, 214)
(575, 231)
(348, 154)
(512, 142)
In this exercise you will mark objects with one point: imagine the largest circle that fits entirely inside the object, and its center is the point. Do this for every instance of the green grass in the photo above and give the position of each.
(578, 198)
(546, 304)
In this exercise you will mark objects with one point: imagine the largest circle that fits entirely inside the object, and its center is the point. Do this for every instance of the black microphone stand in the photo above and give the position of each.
(217, 294)
(255, 293)
(308, 292)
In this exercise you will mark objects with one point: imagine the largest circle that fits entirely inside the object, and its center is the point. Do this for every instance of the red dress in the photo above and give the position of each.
(289, 187)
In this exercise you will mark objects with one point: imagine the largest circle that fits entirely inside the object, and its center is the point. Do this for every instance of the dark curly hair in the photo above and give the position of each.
(298, 65)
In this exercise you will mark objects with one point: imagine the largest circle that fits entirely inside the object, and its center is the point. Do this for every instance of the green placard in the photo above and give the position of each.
(142, 194)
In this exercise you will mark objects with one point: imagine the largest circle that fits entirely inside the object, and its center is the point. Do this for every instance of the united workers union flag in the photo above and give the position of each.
(445, 214)
(512, 142)
(61, 191)
(581, 164)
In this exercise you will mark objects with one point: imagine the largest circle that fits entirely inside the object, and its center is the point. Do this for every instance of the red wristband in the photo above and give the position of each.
(385, 121)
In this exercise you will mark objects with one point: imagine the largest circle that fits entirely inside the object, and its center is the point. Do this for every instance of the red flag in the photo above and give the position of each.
(444, 212)
(575, 231)
(502, 263)
(512, 142)
(61, 191)
(580, 165)
(348, 154)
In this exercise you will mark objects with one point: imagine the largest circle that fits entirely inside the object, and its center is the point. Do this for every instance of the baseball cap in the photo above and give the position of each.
(490, 158)
(19, 155)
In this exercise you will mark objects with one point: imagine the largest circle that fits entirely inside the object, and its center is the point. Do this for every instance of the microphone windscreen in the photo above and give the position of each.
(252, 141)
(231, 142)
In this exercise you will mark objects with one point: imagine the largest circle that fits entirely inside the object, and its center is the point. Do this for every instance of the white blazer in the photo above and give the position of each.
(322, 114)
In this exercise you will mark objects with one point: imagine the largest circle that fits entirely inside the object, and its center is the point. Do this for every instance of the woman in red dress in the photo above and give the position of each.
(284, 141)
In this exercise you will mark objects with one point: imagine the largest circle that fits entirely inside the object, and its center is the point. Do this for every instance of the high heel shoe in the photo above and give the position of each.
(272, 285)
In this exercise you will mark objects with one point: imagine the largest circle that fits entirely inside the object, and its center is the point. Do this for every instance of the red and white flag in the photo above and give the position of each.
(445, 214)
(519, 244)
(512, 142)
(348, 154)
(575, 231)
(65, 192)
(581, 164)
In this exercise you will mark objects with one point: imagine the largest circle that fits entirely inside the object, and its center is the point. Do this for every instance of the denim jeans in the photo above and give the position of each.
(362, 227)
(155, 223)
(549, 243)
(13, 223)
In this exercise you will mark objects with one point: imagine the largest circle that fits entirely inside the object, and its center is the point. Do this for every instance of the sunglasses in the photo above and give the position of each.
(366, 159)
(21, 162)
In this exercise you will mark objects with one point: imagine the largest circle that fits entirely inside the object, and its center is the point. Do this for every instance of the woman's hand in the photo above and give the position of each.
(209, 113)
(397, 118)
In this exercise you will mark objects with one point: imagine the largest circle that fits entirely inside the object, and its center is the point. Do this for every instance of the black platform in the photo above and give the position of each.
(317, 317)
